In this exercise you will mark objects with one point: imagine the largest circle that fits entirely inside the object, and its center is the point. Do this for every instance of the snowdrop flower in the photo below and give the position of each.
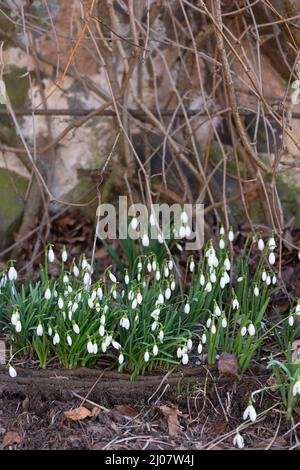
(271, 244)
(56, 339)
(70, 315)
(235, 304)
(264, 276)
(139, 298)
(12, 372)
(179, 353)
(112, 277)
(69, 340)
(64, 255)
(272, 258)
(76, 328)
(160, 238)
(296, 388)
(167, 293)
(240, 279)
(126, 279)
(90, 347)
(250, 413)
(230, 235)
(155, 314)
(90, 302)
(173, 285)
(51, 256)
(182, 232)
(49, 330)
(187, 308)
(154, 325)
(105, 308)
(227, 264)
(213, 329)
(291, 320)
(224, 322)
(251, 329)
(202, 280)
(39, 330)
(268, 280)
(65, 279)
(146, 356)
(199, 348)
(18, 326)
(161, 336)
(86, 279)
(203, 339)
(189, 344)
(121, 359)
(134, 304)
(149, 267)
(124, 322)
(15, 318)
(217, 310)
(47, 294)
(154, 265)
(95, 347)
(274, 279)
(213, 277)
(185, 359)
(297, 310)
(170, 264)
(155, 350)
(261, 244)
(74, 307)
(134, 223)
(222, 282)
(238, 441)
(160, 299)
(116, 345)
(184, 217)
(166, 271)
(60, 303)
(152, 220)
(12, 274)
(130, 295)
(222, 230)
(103, 347)
(256, 291)
(208, 287)
(145, 240)
(208, 323)
(114, 293)
(75, 270)
(221, 244)
(192, 265)
(101, 330)
(157, 275)
(243, 331)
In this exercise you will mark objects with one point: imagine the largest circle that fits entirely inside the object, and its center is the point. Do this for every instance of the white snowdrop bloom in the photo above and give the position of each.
(126, 279)
(208, 287)
(213, 329)
(217, 310)
(93, 295)
(114, 294)
(139, 298)
(222, 230)
(161, 336)
(250, 413)
(240, 279)
(291, 320)
(40, 330)
(256, 291)
(296, 388)
(112, 277)
(78, 297)
(63, 315)
(134, 223)
(146, 356)
(149, 267)
(90, 347)
(271, 244)
(49, 331)
(145, 240)
(18, 326)
(66, 293)
(187, 308)
(202, 280)
(299, 254)
(126, 323)
(227, 264)
(105, 308)
(208, 322)
(222, 282)
(221, 244)
(3, 280)
(184, 350)
(70, 315)
(155, 314)
(297, 309)
(203, 338)
(74, 307)
(76, 329)
(56, 339)
(230, 236)
(60, 303)
(75, 270)
(86, 278)
(268, 280)
(69, 340)
(65, 279)
(173, 285)
(181, 232)
(272, 258)
(157, 275)
(243, 331)
(189, 344)
(184, 218)
(103, 319)
(51, 256)
(226, 277)
(103, 347)
(134, 304)
(12, 372)
(15, 318)
(64, 255)
(154, 325)
(155, 350)
(179, 353)
(121, 359)
(185, 359)
(139, 266)
(160, 238)
(12, 274)
(238, 441)
(199, 348)
(154, 265)
(116, 345)
(188, 231)
(90, 302)
(168, 293)
(235, 304)
(130, 295)
(101, 330)
(224, 322)
(160, 299)
(47, 294)
(274, 279)
(264, 276)
(95, 347)
(84, 263)
(166, 271)
(251, 329)
(152, 220)
(170, 264)
(210, 252)
(261, 244)
(213, 277)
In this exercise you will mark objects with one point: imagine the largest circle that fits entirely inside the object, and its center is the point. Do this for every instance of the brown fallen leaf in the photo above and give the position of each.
(10, 438)
(25, 404)
(77, 414)
(227, 365)
(126, 410)
(172, 414)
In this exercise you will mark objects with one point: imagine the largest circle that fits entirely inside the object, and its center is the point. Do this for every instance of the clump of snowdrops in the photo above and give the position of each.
(138, 317)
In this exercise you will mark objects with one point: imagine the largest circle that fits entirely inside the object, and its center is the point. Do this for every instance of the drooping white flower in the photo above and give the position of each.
(90, 347)
(261, 244)
(18, 326)
(154, 325)
(69, 340)
(222, 282)
(70, 289)
(208, 322)
(227, 264)
(224, 322)
(173, 285)
(230, 235)
(240, 279)
(56, 338)
(126, 279)
(250, 413)
(235, 304)
(121, 359)
(149, 267)
(251, 329)
(291, 320)
(139, 298)
(74, 307)
(60, 303)
(217, 310)
(103, 347)
(208, 287)
(95, 347)
(75, 270)
(184, 217)
(185, 359)
(296, 388)
(66, 279)
(268, 280)
(134, 304)
(49, 331)
(12, 371)
(157, 275)
(101, 330)
(152, 220)
(199, 348)
(116, 345)
(222, 230)
(179, 353)
(161, 336)
(155, 350)
(189, 344)
(47, 294)
(238, 441)
(86, 278)
(192, 265)
(155, 314)
(203, 338)
(112, 277)
(12, 274)
(146, 356)
(160, 238)
(167, 293)
(213, 277)
(134, 223)
(297, 309)
(274, 279)
(15, 317)
(182, 232)
(76, 328)
(272, 258)
(40, 330)
(166, 271)
(243, 331)
(202, 280)
(213, 329)
(271, 244)
(187, 308)
(221, 244)
(51, 256)
(256, 291)
(160, 299)
(264, 276)
(145, 240)
(188, 231)
(64, 255)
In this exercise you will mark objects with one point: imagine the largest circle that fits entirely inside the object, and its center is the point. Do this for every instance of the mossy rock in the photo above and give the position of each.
(12, 192)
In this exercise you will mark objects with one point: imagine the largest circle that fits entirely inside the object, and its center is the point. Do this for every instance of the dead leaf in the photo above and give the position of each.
(10, 438)
(77, 414)
(227, 365)
(65, 222)
(124, 411)
(95, 411)
(25, 404)
(172, 414)
(220, 428)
